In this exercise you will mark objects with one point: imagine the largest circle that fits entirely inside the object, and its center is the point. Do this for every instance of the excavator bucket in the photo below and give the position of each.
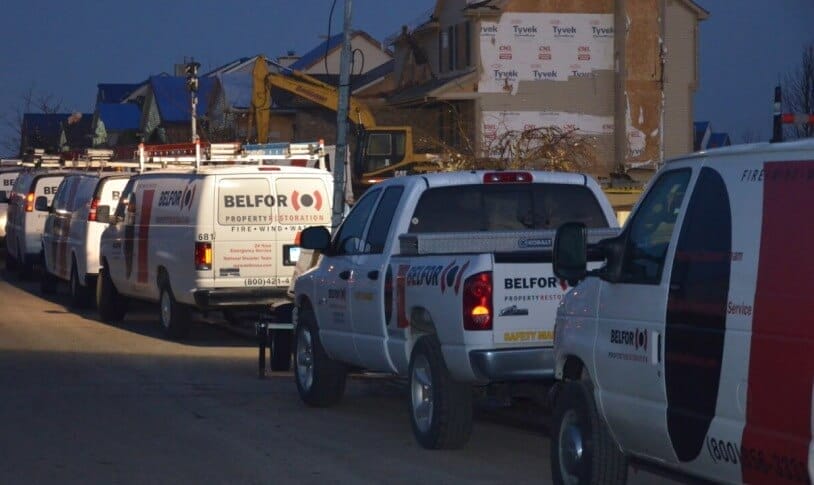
(261, 99)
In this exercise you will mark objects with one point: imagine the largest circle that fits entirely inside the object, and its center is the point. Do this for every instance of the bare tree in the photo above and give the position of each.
(551, 148)
(798, 92)
(31, 101)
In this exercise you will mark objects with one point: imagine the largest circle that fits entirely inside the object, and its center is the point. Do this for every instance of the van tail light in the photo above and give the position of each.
(29, 202)
(203, 256)
(92, 212)
(478, 301)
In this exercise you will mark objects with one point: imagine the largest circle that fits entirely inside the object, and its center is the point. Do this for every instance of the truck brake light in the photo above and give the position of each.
(507, 178)
(92, 212)
(477, 301)
(203, 256)
(29, 202)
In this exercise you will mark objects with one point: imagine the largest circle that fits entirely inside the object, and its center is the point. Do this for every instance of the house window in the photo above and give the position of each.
(464, 45)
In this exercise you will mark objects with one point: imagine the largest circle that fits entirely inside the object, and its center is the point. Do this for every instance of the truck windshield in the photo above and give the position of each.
(467, 208)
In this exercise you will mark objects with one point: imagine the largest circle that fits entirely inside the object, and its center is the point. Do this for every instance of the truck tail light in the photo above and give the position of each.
(92, 212)
(507, 178)
(29, 202)
(478, 301)
(203, 256)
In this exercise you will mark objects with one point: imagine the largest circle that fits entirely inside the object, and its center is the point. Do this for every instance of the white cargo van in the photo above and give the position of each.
(692, 349)
(216, 238)
(7, 178)
(70, 239)
(31, 197)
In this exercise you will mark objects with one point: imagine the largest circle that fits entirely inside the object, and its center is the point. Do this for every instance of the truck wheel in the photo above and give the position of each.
(582, 449)
(48, 282)
(80, 295)
(320, 380)
(281, 350)
(24, 267)
(111, 305)
(174, 316)
(11, 261)
(440, 407)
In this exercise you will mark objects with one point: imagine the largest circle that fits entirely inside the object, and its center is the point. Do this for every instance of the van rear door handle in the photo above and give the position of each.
(345, 274)
(374, 275)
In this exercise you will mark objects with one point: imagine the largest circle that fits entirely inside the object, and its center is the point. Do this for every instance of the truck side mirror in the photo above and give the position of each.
(103, 214)
(571, 252)
(316, 237)
(41, 203)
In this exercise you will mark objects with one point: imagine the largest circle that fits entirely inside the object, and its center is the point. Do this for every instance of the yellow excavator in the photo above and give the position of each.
(381, 151)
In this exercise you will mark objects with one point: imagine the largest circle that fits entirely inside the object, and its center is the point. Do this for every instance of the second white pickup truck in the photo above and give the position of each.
(445, 279)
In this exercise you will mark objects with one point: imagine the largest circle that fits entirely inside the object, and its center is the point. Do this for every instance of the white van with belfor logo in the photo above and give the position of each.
(217, 237)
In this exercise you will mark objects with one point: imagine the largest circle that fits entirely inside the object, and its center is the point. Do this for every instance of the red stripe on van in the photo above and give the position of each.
(781, 362)
(144, 235)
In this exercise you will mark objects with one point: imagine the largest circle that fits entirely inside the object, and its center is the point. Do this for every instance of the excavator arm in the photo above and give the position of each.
(321, 93)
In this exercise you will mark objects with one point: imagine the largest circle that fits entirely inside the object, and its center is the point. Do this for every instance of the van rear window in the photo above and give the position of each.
(468, 208)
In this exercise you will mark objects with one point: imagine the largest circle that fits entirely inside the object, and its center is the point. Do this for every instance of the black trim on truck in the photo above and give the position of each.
(535, 363)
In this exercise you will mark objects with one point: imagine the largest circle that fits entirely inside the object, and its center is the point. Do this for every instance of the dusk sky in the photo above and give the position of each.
(65, 49)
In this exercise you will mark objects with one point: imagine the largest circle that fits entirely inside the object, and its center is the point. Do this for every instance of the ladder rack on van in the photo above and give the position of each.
(40, 159)
(203, 153)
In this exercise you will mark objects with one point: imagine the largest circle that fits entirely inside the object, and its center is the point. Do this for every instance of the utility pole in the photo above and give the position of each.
(342, 123)
(192, 84)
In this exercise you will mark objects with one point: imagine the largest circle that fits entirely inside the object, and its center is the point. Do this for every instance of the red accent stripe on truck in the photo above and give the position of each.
(144, 235)
(778, 402)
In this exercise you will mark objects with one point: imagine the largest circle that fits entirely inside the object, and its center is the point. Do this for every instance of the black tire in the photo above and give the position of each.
(173, 316)
(80, 295)
(24, 267)
(110, 304)
(582, 449)
(48, 282)
(11, 261)
(281, 343)
(320, 380)
(440, 407)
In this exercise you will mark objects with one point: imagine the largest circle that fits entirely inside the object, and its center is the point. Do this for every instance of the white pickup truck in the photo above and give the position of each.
(446, 279)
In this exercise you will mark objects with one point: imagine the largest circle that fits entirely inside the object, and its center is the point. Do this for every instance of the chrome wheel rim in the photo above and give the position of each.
(166, 309)
(305, 359)
(421, 393)
(571, 449)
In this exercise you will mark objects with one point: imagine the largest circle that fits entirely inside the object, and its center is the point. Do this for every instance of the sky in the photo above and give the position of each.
(64, 49)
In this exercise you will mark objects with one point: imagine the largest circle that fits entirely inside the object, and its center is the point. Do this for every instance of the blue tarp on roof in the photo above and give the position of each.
(172, 97)
(119, 116)
(317, 53)
(114, 93)
(701, 126)
(717, 140)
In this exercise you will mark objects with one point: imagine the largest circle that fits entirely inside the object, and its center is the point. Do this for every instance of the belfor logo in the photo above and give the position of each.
(188, 196)
(306, 201)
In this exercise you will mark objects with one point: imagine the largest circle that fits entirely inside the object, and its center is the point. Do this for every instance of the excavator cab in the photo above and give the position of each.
(380, 154)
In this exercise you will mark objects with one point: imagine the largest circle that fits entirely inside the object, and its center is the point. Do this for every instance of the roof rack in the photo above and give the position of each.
(40, 159)
(10, 162)
(203, 153)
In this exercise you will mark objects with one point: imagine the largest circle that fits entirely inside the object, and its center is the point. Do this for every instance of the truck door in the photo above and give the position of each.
(629, 352)
(367, 287)
(334, 303)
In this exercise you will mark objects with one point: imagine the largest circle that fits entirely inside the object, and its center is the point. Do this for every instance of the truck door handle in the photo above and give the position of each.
(345, 274)
(373, 275)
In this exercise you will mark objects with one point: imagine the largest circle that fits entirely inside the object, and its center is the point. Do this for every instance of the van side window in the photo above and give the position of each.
(61, 200)
(652, 228)
(382, 220)
(349, 238)
(124, 199)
